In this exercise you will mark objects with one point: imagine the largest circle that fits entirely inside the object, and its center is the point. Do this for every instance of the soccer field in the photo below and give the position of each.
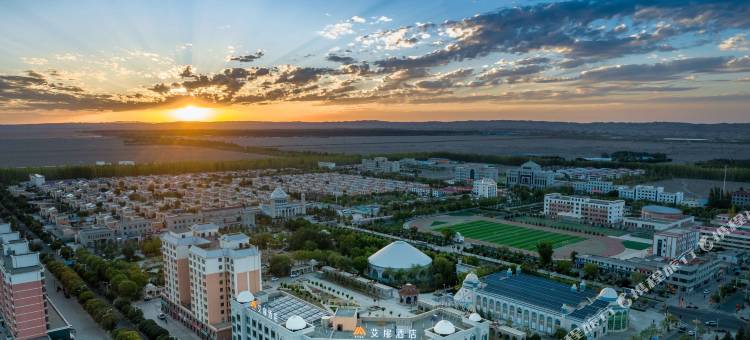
(510, 235)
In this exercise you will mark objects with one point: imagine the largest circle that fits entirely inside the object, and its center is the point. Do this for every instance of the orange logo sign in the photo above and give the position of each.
(359, 331)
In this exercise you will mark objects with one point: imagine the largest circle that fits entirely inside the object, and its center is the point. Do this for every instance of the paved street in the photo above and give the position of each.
(726, 321)
(84, 325)
(151, 310)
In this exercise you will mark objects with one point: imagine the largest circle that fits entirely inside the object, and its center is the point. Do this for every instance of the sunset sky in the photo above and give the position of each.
(94, 61)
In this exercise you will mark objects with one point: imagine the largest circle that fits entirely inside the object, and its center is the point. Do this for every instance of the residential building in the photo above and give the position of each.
(650, 193)
(203, 272)
(380, 164)
(279, 206)
(22, 302)
(485, 188)
(473, 171)
(741, 198)
(596, 174)
(593, 187)
(277, 315)
(674, 242)
(531, 176)
(91, 236)
(585, 209)
(36, 180)
(698, 272)
(541, 305)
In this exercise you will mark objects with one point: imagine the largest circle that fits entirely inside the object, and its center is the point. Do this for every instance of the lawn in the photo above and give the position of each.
(635, 245)
(510, 235)
(437, 223)
(570, 225)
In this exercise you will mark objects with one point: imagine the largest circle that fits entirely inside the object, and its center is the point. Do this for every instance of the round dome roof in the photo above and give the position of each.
(475, 317)
(471, 278)
(245, 297)
(444, 327)
(295, 323)
(607, 294)
(278, 193)
(399, 255)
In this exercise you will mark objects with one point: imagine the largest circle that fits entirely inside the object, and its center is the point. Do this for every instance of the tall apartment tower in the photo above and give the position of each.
(203, 271)
(22, 301)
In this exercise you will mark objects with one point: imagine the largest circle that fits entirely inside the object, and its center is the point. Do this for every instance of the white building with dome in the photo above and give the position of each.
(539, 305)
(397, 256)
(274, 315)
(278, 205)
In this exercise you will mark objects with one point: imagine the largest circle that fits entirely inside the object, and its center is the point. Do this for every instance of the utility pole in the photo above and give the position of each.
(724, 185)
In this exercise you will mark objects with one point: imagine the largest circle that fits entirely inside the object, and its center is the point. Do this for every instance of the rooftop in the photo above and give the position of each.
(543, 293)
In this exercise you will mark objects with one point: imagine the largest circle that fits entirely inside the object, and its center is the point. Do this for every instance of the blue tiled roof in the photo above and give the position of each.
(535, 290)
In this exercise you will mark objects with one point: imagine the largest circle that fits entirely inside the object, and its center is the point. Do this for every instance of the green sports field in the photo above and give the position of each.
(635, 245)
(510, 235)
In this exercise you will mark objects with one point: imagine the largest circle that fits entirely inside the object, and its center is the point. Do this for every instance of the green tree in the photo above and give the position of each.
(591, 271)
(545, 251)
(127, 289)
(280, 265)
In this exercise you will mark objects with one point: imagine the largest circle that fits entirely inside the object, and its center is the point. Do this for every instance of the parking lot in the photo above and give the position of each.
(151, 310)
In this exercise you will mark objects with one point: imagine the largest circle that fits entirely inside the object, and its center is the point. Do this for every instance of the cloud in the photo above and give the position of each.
(337, 30)
(34, 61)
(358, 19)
(346, 60)
(187, 72)
(249, 57)
(738, 42)
(383, 19)
(665, 71)
(567, 28)
(398, 38)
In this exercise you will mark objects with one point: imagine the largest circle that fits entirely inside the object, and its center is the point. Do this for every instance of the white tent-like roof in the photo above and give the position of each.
(399, 255)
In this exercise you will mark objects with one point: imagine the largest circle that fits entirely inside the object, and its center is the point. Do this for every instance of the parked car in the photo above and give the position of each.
(711, 323)
(706, 291)
(691, 333)
(274, 279)
(162, 316)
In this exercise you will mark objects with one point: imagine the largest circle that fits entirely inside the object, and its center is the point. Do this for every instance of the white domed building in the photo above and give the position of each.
(278, 205)
(395, 257)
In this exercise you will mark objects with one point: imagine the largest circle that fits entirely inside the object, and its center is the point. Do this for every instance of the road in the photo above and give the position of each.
(151, 310)
(726, 321)
(84, 325)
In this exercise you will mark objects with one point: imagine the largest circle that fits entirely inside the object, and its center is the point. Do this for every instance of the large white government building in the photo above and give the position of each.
(280, 316)
(539, 304)
(531, 176)
(279, 206)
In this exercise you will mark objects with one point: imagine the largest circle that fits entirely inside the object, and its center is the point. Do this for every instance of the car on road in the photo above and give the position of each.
(162, 316)
(294, 275)
(711, 323)
(706, 291)
(691, 333)
(274, 279)
(692, 307)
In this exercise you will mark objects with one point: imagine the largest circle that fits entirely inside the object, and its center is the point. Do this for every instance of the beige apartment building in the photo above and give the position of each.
(203, 271)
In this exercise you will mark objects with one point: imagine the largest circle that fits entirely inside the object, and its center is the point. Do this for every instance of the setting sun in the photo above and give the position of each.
(192, 114)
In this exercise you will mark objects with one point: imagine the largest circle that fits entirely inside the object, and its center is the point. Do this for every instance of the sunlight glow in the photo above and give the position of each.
(192, 114)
